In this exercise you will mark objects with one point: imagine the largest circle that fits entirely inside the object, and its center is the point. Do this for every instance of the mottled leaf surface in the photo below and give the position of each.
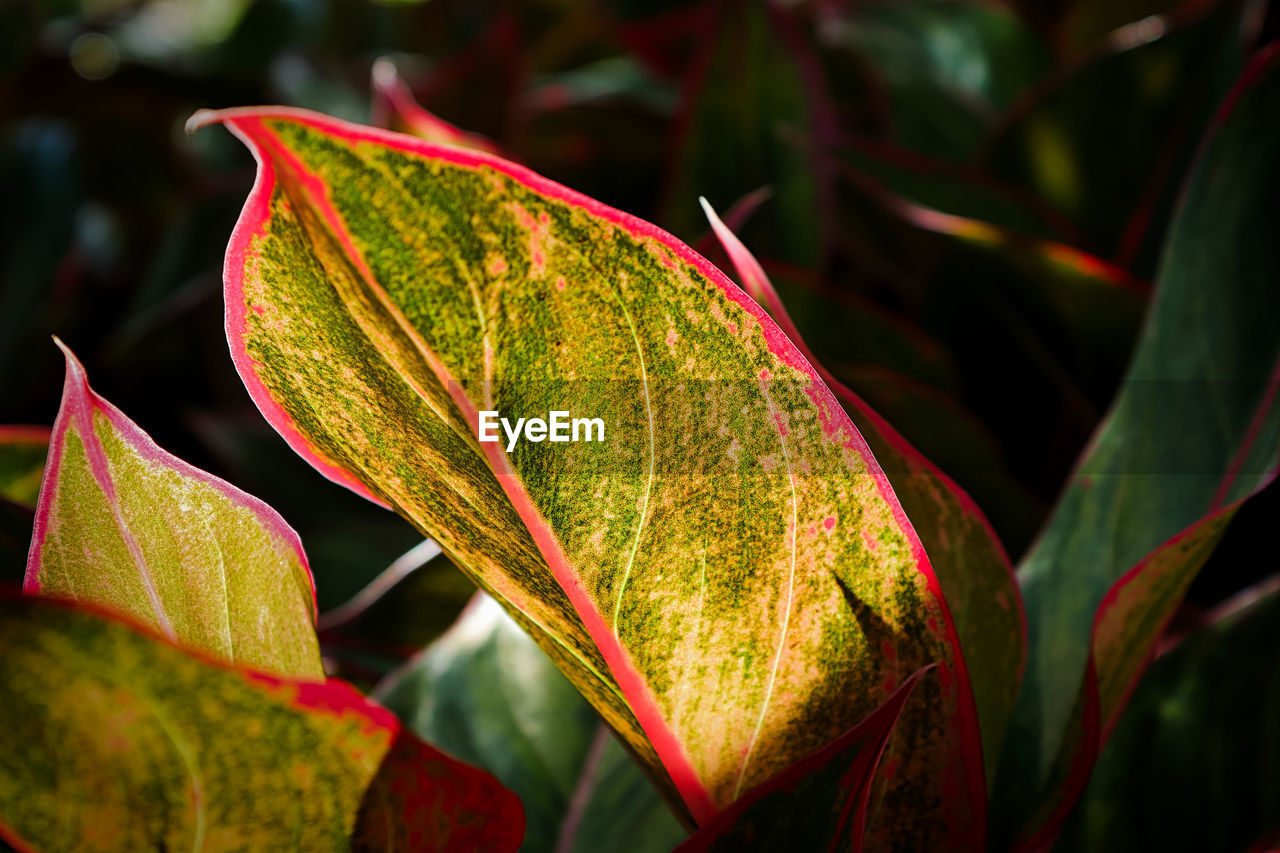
(22, 455)
(112, 739)
(486, 693)
(1195, 431)
(972, 567)
(820, 802)
(727, 577)
(125, 525)
(1191, 765)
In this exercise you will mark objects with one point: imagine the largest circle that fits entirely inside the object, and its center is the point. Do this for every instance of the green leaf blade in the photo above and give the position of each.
(124, 525)
(1191, 763)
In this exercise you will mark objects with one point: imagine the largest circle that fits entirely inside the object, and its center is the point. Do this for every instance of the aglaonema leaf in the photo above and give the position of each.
(125, 525)
(1191, 764)
(22, 454)
(727, 577)
(485, 692)
(796, 810)
(113, 739)
(972, 567)
(1195, 432)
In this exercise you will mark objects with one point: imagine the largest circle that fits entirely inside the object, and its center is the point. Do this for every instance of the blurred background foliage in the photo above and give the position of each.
(964, 211)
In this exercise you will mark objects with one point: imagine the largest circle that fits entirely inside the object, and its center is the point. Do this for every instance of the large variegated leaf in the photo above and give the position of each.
(971, 565)
(1191, 766)
(727, 576)
(485, 692)
(22, 455)
(111, 739)
(1195, 432)
(125, 525)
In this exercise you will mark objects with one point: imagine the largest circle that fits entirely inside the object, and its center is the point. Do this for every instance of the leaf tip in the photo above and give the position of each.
(384, 73)
(76, 378)
(202, 118)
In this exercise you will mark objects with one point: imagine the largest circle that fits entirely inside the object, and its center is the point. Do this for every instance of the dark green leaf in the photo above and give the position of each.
(1192, 764)
(748, 103)
(487, 694)
(1194, 432)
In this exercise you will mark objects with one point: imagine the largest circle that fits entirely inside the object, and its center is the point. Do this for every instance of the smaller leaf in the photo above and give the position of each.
(124, 525)
(113, 739)
(22, 454)
(747, 93)
(820, 802)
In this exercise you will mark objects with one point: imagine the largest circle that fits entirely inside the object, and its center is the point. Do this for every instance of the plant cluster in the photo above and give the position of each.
(989, 280)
